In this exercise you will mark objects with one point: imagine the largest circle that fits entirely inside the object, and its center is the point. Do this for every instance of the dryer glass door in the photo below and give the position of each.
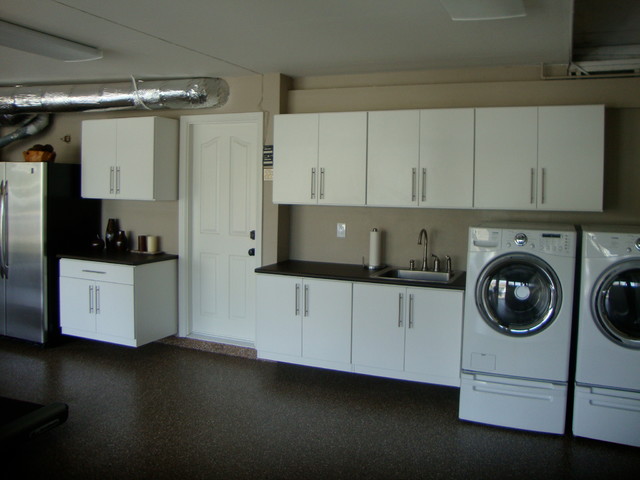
(617, 303)
(518, 294)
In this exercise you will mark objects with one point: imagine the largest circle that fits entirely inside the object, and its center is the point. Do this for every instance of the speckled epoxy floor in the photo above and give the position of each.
(163, 411)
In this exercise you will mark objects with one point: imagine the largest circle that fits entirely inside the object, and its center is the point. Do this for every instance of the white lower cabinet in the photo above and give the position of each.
(409, 333)
(304, 321)
(384, 330)
(124, 304)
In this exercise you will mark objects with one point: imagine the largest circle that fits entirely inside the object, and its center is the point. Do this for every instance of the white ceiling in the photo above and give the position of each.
(226, 38)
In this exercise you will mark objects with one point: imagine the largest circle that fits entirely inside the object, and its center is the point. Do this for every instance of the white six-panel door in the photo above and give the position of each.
(218, 215)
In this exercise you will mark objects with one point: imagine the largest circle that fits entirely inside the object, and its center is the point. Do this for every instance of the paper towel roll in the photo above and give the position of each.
(375, 249)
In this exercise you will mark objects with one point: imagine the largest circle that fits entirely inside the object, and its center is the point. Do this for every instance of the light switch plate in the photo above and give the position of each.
(341, 230)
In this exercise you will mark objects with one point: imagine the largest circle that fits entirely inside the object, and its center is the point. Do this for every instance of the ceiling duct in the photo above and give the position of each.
(132, 95)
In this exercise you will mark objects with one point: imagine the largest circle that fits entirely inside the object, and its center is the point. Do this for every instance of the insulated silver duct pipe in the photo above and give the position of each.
(136, 94)
(32, 125)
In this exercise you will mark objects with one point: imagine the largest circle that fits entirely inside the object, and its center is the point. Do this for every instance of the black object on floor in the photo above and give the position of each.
(20, 421)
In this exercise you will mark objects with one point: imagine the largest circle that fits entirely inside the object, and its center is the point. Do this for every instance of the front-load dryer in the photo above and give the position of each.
(517, 326)
(607, 389)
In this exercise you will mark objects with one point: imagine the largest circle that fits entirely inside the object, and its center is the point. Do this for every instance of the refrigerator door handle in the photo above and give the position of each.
(4, 268)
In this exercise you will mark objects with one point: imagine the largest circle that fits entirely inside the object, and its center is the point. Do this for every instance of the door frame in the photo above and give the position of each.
(184, 203)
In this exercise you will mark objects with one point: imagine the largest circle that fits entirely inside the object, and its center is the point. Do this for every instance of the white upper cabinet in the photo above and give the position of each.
(295, 158)
(446, 158)
(421, 158)
(320, 158)
(570, 158)
(539, 158)
(130, 158)
(506, 158)
(393, 158)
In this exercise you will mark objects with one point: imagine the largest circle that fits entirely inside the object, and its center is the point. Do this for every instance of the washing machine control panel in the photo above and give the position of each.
(558, 243)
(603, 244)
(520, 239)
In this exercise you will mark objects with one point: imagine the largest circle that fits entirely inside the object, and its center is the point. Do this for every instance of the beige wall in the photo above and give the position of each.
(308, 233)
(313, 228)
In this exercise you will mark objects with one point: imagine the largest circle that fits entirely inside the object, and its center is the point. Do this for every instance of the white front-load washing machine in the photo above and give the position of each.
(517, 326)
(607, 390)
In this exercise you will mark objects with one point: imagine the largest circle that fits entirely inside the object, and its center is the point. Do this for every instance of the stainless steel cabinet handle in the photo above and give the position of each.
(321, 183)
(111, 179)
(117, 179)
(413, 184)
(313, 183)
(533, 187)
(94, 271)
(306, 300)
(411, 310)
(424, 184)
(297, 299)
(97, 300)
(90, 298)
(542, 179)
(400, 301)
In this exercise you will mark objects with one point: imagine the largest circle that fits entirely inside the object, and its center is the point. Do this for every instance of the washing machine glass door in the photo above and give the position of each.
(518, 294)
(616, 303)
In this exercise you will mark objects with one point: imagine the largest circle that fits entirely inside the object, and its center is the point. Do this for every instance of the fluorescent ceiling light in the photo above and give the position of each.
(28, 40)
(484, 9)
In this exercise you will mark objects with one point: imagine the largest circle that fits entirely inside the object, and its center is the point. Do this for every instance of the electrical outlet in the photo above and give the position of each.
(341, 230)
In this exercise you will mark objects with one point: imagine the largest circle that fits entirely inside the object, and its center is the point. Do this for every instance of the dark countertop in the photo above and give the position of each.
(124, 258)
(348, 272)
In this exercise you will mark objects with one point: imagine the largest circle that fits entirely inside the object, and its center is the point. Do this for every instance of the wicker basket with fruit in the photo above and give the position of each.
(39, 153)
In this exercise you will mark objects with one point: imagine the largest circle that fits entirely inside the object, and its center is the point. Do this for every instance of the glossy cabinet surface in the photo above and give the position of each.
(539, 158)
(305, 321)
(123, 304)
(130, 158)
(410, 333)
(393, 158)
(320, 158)
(504, 158)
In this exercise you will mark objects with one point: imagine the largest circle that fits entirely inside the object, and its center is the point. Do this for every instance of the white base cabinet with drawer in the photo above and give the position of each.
(407, 333)
(125, 304)
(304, 321)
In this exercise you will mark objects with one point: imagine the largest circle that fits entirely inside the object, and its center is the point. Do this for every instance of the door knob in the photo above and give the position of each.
(252, 252)
(252, 235)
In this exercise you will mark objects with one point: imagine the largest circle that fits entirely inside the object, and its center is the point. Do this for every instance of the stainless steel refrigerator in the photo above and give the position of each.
(41, 216)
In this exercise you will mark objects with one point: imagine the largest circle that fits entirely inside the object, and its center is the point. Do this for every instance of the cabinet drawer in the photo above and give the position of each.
(99, 271)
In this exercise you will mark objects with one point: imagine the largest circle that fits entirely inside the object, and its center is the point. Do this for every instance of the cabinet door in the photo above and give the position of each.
(114, 309)
(434, 333)
(446, 158)
(295, 162)
(279, 307)
(98, 158)
(326, 321)
(506, 158)
(342, 158)
(77, 304)
(393, 158)
(135, 158)
(379, 326)
(571, 158)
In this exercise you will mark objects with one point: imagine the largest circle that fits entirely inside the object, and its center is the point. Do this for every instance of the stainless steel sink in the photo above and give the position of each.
(416, 275)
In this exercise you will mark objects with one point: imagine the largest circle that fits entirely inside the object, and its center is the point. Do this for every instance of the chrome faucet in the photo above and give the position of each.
(423, 233)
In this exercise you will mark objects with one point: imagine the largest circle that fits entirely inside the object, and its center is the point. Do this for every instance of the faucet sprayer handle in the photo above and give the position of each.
(436, 263)
(448, 259)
